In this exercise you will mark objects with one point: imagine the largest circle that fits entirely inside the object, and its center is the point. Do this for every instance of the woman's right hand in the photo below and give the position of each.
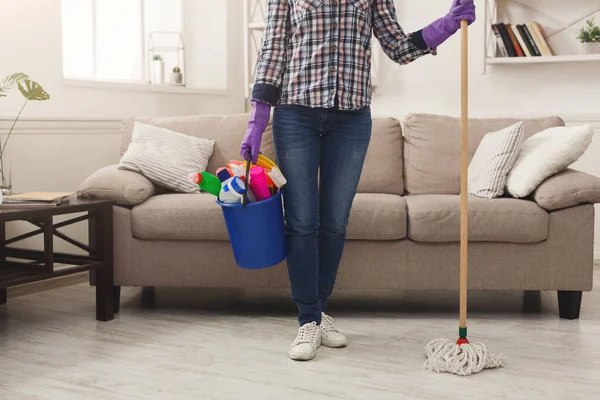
(259, 119)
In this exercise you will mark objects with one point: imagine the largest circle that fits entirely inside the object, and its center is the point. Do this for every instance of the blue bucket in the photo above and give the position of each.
(256, 231)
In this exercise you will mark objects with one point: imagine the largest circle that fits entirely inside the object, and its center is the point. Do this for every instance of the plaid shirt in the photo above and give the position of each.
(317, 53)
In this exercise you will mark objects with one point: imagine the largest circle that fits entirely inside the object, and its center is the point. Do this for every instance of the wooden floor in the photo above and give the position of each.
(230, 344)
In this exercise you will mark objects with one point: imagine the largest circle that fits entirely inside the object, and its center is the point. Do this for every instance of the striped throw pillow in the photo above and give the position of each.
(493, 160)
(166, 157)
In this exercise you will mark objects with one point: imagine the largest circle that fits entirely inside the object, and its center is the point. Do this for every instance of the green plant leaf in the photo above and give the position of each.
(10, 81)
(33, 91)
(590, 32)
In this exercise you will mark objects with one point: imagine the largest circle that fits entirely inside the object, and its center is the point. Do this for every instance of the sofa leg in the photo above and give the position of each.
(117, 298)
(532, 301)
(569, 303)
(148, 296)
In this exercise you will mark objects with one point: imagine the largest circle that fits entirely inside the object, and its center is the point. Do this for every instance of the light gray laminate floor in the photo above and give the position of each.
(230, 344)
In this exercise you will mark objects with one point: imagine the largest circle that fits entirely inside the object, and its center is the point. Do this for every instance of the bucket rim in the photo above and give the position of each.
(250, 205)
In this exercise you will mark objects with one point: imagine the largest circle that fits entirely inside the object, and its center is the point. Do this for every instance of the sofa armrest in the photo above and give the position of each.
(567, 189)
(126, 188)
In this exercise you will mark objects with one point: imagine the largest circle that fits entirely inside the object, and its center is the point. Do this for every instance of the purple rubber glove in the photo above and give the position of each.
(259, 119)
(440, 30)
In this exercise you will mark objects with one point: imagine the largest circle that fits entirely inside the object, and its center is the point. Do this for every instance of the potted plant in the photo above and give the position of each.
(176, 76)
(590, 36)
(31, 91)
(158, 69)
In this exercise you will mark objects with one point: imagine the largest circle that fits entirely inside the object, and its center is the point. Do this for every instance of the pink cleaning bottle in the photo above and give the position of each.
(258, 183)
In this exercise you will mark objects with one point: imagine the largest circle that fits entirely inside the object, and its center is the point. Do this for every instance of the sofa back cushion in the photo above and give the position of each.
(433, 142)
(382, 172)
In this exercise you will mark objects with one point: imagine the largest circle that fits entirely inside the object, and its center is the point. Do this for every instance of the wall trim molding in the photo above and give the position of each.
(29, 125)
(41, 125)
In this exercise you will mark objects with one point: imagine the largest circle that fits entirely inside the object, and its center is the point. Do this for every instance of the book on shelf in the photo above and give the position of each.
(35, 199)
(506, 40)
(514, 41)
(499, 41)
(530, 38)
(542, 40)
(521, 40)
(526, 40)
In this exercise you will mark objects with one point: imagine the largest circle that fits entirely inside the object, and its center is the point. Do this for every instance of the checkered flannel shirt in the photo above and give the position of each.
(317, 53)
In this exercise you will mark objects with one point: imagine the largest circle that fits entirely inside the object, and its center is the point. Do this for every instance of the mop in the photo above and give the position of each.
(461, 357)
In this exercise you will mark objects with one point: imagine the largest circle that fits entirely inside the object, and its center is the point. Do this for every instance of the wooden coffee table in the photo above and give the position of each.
(19, 265)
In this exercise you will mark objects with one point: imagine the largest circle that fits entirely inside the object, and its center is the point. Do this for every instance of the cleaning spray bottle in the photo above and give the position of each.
(258, 183)
(232, 191)
(224, 175)
(206, 181)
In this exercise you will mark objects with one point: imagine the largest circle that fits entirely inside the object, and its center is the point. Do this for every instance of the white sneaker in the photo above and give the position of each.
(331, 336)
(305, 346)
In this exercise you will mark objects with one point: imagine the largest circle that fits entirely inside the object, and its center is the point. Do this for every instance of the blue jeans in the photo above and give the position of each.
(336, 142)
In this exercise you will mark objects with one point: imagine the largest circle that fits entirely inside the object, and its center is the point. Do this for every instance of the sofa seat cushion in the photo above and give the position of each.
(436, 218)
(377, 217)
(183, 216)
(179, 216)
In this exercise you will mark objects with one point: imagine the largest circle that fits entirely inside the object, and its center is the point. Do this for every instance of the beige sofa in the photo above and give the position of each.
(404, 226)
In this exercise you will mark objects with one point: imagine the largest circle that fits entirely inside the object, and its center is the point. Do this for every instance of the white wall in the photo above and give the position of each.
(432, 85)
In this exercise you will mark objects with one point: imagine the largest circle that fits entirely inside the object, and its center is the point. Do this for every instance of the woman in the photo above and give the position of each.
(314, 69)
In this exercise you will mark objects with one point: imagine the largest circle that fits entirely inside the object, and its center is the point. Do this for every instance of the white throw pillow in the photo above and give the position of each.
(545, 154)
(166, 157)
(493, 160)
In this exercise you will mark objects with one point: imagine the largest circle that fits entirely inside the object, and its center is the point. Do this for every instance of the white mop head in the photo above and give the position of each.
(470, 358)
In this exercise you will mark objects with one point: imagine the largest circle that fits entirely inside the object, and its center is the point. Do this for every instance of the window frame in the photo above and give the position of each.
(138, 84)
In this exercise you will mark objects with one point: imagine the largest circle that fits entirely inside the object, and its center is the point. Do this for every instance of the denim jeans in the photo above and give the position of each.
(317, 203)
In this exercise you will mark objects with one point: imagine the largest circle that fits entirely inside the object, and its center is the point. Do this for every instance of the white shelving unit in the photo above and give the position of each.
(499, 11)
(543, 59)
(255, 15)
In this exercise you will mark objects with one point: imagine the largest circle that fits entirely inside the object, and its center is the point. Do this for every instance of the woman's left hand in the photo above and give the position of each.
(462, 10)
(440, 30)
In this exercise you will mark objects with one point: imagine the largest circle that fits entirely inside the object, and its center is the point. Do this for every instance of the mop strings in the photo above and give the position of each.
(466, 359)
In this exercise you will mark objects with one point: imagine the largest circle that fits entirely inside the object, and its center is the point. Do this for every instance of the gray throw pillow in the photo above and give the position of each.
(166, 157)
(126, 188)
(493, 160)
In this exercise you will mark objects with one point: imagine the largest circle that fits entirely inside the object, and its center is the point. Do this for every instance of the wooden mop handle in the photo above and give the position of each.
(464, 218)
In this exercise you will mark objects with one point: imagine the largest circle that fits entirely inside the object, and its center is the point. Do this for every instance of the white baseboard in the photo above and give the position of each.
(597, 255)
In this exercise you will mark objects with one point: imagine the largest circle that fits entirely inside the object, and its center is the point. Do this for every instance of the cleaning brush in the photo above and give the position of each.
(277, 177)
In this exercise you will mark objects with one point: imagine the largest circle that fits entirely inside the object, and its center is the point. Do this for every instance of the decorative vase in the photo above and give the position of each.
(5, 167)
(592, 48)
(158, 72)
(177, 77)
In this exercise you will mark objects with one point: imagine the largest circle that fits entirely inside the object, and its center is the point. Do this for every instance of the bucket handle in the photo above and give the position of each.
(245, 196)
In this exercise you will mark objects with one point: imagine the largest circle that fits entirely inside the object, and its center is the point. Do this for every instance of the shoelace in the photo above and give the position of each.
(307, 333)
(327, 324)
